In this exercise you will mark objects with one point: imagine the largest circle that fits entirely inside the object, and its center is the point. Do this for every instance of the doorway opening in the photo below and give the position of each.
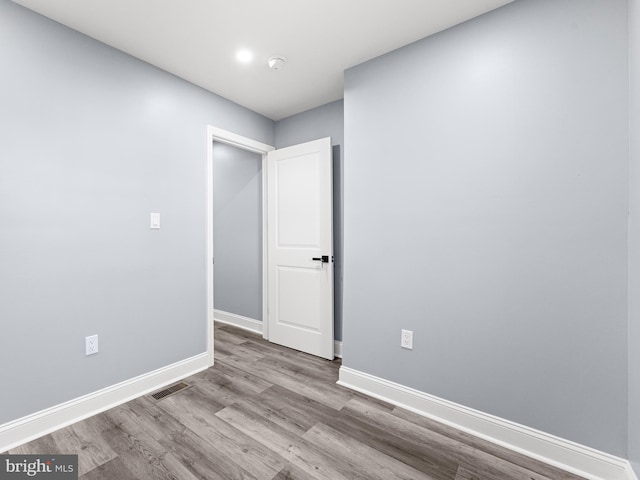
(297, 240)
(237, 236)
(218, 139)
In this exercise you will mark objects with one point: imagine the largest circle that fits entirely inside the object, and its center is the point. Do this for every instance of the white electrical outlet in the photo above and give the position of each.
(91, 345)
(406, 339)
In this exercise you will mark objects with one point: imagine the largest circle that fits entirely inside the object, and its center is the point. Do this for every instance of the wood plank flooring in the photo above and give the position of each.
(266, 412)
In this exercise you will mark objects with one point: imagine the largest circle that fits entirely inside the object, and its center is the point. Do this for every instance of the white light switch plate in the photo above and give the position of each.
(155, 221)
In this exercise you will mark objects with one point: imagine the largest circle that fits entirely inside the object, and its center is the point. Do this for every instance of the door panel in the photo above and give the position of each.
(300, 224)
(298, 215)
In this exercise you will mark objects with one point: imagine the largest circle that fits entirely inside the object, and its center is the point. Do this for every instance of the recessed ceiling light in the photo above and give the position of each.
(244, 56)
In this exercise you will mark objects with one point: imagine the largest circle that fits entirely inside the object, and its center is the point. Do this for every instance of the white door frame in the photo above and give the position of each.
(215, 134)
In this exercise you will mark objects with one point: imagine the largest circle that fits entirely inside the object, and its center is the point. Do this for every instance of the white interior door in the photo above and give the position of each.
(300, 247)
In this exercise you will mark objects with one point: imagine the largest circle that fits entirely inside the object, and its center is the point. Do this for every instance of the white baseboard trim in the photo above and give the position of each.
(572, 457)
(239, 321)
(256, 326)
(29, 428)
(337, 348)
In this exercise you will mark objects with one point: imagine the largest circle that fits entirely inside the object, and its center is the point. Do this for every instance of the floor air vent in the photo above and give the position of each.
(170, 390)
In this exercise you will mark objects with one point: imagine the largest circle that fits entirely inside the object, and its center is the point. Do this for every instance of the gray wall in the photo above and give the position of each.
(324, 121)
(92, 142)
(634, 236)
(487, 172)
(237, 230)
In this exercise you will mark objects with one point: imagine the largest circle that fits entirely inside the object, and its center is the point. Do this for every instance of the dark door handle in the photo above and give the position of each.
(323, 259)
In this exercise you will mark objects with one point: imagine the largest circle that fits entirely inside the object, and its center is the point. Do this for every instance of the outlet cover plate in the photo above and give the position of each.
(406, 339)
(91, 344)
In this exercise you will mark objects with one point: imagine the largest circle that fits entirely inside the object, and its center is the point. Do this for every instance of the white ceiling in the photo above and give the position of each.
(197, 39)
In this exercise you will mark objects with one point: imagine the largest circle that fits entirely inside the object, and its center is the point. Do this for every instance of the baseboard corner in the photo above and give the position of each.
(631, 473)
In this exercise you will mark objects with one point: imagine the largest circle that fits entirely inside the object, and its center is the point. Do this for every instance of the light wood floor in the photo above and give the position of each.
(267, 412)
